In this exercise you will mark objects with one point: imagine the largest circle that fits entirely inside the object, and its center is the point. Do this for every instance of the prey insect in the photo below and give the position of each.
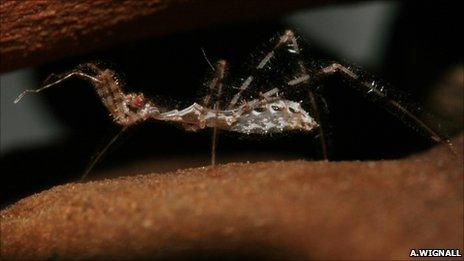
(268, 112)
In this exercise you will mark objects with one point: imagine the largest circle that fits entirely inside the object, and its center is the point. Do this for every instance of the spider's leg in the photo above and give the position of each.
(75, 73)
(304, 78)
(317, 118)
(109, 91)
(215, 88)
(377, 94)
(107, 87)
(215, 85)
(100, 153)
(215, 137)
(283, 39)
(220, 68)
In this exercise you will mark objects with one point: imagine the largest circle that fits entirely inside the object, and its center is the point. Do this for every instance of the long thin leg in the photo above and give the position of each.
(288, 38)
(288, 35)
(322, 138)
(368, 87)
(108, 89)
(98, 156)
(304, 79)
(67, 76)
(214, 138)
(215, 88)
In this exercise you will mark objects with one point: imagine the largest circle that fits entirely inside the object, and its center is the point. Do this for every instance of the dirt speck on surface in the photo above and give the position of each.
(294, 209)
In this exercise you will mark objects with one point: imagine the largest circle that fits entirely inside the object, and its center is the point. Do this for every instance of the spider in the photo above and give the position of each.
(267, 113)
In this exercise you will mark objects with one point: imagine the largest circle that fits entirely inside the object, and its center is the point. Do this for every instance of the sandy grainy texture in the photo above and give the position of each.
(33, 32)
(294, 209)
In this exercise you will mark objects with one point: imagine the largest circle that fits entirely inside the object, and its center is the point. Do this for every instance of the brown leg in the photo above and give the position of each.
(215, 88)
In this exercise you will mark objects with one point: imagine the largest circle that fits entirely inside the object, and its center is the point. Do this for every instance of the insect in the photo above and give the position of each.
(270, 112)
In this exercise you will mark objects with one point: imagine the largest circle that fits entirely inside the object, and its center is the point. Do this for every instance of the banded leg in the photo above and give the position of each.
(377, 94)
(111, 94)
(285, 38)
(289, 38)
(215, 88)
(304, 78)
(75, 73)
(119, 104)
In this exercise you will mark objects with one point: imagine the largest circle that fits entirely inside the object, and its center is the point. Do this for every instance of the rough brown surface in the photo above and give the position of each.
(298, 209)
(33, 32)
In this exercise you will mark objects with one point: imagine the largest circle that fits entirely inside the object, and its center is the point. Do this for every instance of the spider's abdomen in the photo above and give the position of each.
(278, 116)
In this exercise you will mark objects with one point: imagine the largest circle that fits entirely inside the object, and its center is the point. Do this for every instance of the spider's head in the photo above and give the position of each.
(135, 101)
(277, 116)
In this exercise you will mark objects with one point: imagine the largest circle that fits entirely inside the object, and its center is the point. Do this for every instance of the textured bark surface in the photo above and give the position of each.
(296, 209)
(33, 32)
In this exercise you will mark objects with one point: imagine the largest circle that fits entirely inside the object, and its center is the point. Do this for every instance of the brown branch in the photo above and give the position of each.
(33, 32)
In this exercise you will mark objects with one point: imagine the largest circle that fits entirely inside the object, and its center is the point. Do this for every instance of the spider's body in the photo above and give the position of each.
(268, 114)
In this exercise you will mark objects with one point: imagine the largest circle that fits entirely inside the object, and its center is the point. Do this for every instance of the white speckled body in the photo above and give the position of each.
(252, 118)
